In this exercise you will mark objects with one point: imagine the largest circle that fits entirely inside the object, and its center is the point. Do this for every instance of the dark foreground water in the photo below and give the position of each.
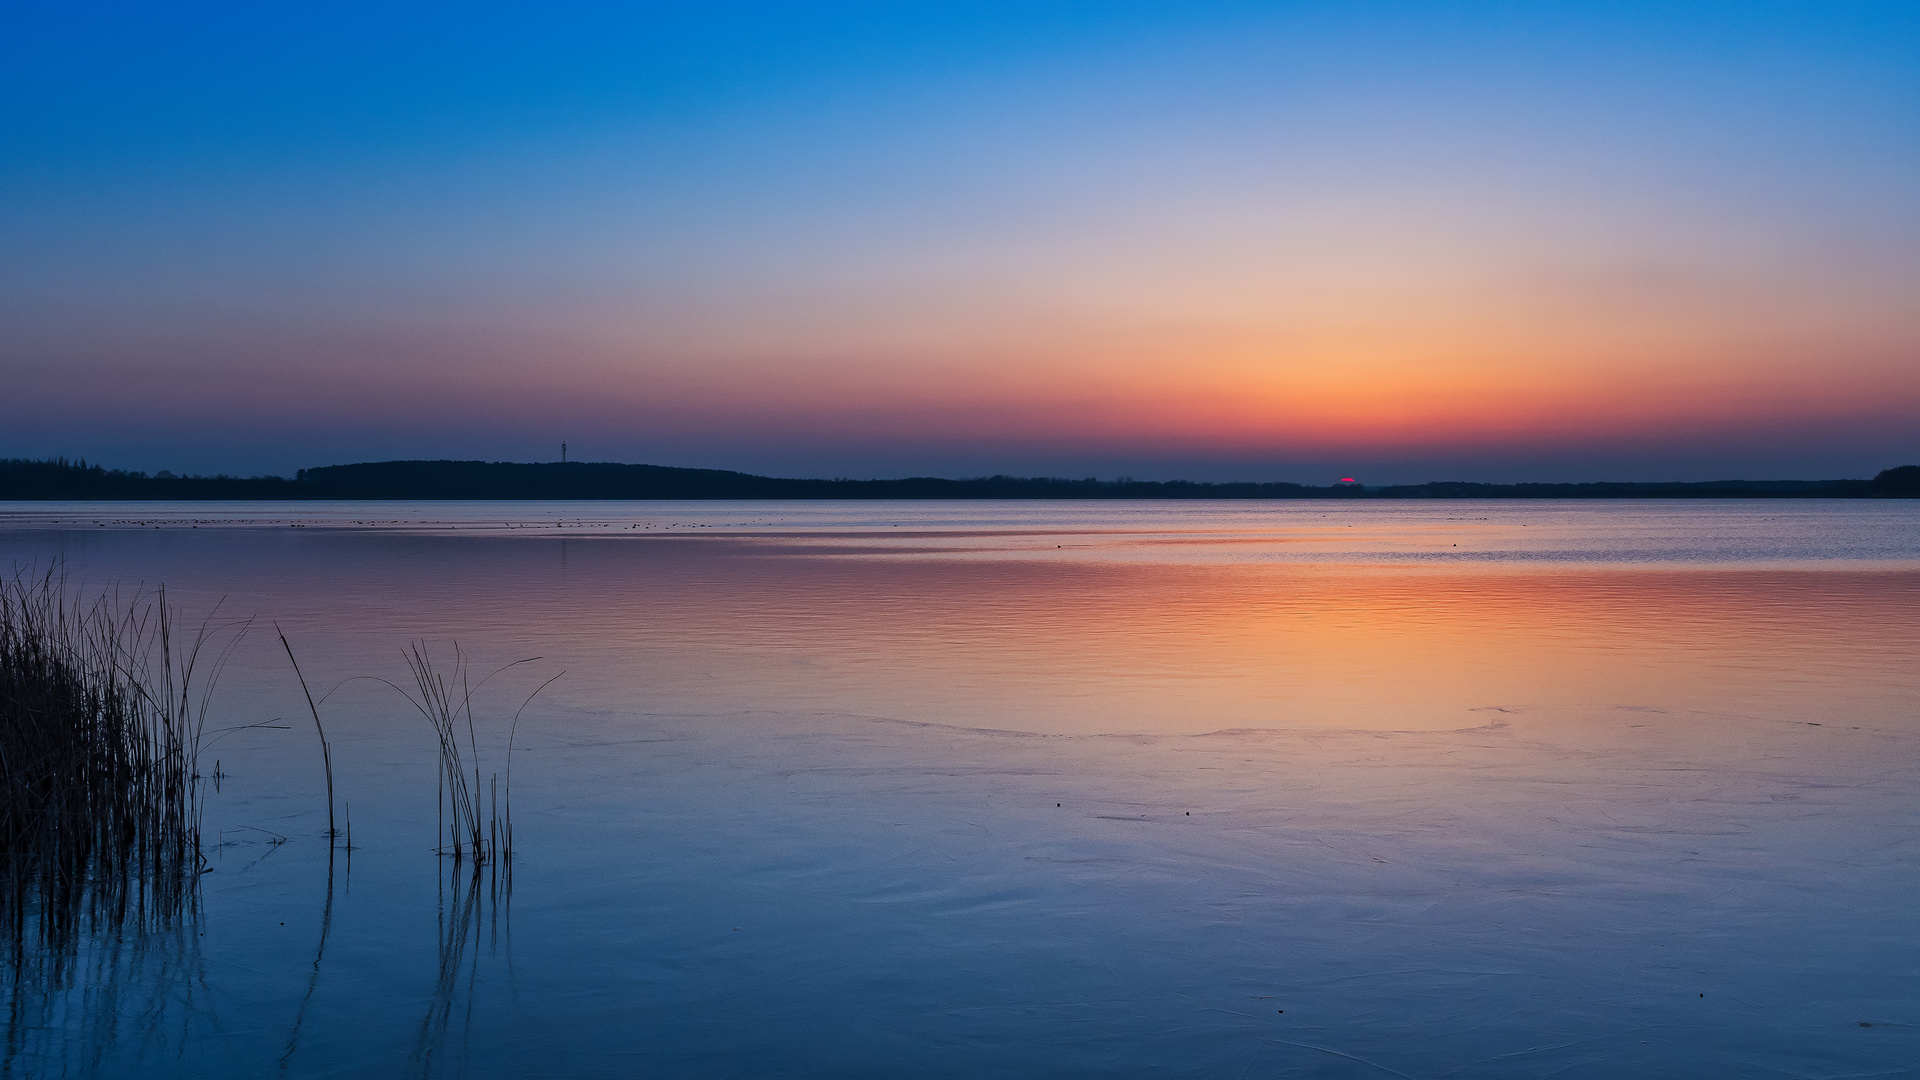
(1039, 790)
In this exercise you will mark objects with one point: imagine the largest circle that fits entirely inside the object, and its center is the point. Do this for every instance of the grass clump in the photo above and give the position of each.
(102, 714)
(475, 815)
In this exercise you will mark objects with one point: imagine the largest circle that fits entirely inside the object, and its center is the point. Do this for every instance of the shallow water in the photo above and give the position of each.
(1044, 789)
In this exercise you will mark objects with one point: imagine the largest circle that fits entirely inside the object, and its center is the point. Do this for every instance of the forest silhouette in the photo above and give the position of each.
(61, 479)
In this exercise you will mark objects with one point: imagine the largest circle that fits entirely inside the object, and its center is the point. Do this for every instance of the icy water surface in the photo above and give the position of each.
(1042, 789)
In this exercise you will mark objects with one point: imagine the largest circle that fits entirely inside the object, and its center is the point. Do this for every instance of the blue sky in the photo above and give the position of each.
(1500, 241)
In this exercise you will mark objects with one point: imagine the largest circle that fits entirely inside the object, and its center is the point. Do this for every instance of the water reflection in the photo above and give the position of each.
(141, 996)
(850, 802)
(319, 960)
(474, 917)
(724, 624)
(86, 985)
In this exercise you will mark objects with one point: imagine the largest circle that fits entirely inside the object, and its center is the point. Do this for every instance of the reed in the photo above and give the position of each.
(326, 748)
(474, 815)
(103, 711)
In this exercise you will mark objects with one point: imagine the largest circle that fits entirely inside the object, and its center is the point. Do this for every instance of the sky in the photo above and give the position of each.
(1211, 240)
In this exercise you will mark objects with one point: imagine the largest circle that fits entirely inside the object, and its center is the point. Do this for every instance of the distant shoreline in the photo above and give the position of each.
(61, 480)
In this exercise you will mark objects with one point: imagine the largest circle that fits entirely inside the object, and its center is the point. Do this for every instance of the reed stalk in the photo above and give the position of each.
(326, 748)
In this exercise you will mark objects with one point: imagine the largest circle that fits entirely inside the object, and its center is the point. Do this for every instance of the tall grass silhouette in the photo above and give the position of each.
(326, 748)
(103, 708)
(104, 705)
(475, 815)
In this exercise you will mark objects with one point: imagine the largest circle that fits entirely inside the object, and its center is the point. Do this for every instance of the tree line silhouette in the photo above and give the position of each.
(59, 478)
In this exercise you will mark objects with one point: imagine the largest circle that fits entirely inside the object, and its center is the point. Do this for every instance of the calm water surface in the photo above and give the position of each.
(1043, 789)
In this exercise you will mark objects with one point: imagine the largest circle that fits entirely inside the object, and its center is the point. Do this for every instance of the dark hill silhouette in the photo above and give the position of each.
(1900, 483)
(58, 478)
(609, 480)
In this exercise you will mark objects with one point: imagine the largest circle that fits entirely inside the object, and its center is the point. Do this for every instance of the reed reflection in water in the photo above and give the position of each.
(475, 917)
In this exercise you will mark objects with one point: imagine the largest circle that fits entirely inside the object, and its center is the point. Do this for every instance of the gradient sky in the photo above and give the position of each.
(1401, 241)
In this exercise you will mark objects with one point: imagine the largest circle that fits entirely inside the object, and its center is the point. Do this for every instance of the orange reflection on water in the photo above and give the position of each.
(1103, 648)
(1162, 619)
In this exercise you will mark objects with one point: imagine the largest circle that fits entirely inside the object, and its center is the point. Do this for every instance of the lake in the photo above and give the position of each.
(1262, 789)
